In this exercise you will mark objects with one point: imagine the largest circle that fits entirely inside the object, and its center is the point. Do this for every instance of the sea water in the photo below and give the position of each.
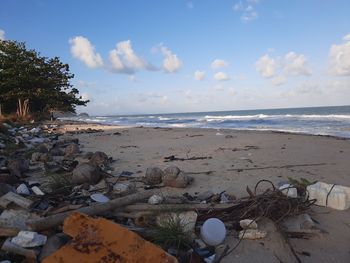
(334, 121)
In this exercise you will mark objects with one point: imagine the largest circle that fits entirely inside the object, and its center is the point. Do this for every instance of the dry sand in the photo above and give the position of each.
(236, 159)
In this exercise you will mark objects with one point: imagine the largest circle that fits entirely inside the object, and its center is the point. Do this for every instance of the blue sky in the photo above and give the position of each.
(200, 55)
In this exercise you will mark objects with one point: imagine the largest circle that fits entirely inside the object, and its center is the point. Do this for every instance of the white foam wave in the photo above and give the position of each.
(211, 118)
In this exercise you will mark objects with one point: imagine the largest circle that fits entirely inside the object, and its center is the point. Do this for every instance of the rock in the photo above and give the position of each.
(248, 224)
(56, 151)
(11, 197)
(86, 173)
(154, 175)
(124, 188)
(29, 239)
(35, 156)
(205, 195)
(22, 189)
(18, 166)
(172, 171)
(37, 140)
(42, 149)
(99, 198)
(71, 149)
(155, 200)
(52, 244)
(88, 155)
(5, 188)
(99, 158)
(41, 157)
(182, 180)
(2, 145)
(252, 234)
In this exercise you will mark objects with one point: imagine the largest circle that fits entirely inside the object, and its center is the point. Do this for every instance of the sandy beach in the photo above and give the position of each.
(231, 160)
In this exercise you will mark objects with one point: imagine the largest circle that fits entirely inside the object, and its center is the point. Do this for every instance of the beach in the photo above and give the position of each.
(230, 160)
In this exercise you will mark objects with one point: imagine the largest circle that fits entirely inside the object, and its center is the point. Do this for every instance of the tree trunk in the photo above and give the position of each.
(22, 108)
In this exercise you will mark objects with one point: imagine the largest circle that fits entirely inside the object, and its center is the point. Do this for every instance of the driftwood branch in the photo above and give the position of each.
(175, 207)
(172, 158)
(94, 209)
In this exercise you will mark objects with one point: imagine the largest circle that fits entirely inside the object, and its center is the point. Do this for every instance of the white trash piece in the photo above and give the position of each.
(155, 200)
(248, 224)
(289, 190)
(99, 198)
(252, 234)
(29, 239)
(23, 190)
(37, 190)
(338, 196)
(213, 232)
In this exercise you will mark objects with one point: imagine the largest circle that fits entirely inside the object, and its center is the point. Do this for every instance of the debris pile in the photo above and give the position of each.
(47, 182)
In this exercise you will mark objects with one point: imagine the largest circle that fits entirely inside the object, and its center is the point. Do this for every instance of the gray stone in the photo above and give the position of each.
(182, 180)
(53, 243)
(18, 166)
(29, 239)
(56, 151)
(99, 158)
(71, 149)
(172, 171)
(42, 149)
(86, 173)
(154, 175)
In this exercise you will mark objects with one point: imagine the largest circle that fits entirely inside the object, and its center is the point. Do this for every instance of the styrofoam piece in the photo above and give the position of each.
(289, 190)
(29, 239)
(248, 224)
(37, 190)
(338, 196)
(23, 190)
(213, 231)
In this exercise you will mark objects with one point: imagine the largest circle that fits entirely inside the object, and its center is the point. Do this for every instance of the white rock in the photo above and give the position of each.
(248, 224)
(186, 219)
(29, 239)
(121, 188)
(37, 190)
(99, 198)
(23, 190)
(252, 234)
(155, 200)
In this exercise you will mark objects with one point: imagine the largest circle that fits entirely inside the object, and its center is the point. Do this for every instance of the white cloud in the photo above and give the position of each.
(247, 9)
(219, 63)
(124, 60)
(266, 66)
(339, 56)
(278, 80)
(2, 34)
(171, 62)
(296, 64)
(82, 49)
(199, 75)
(221, 76)
(279, 68)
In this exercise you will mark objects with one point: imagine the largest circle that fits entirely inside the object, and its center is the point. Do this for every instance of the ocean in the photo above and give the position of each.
(334, 121)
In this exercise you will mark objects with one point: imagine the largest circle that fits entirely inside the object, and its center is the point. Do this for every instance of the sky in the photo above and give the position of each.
(147, 56)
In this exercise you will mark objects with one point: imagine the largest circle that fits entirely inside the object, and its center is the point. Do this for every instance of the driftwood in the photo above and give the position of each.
(15, 249)
(175, 207)
(280, 167)
(173, 158)
(8, 232)
(94, 209)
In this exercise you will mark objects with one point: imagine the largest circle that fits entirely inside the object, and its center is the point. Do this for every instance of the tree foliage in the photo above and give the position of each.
(27, 76)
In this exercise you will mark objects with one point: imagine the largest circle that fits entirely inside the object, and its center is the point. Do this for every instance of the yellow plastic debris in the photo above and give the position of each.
(101, 240)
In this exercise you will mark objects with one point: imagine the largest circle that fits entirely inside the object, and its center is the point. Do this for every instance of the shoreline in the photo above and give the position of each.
(117, 126)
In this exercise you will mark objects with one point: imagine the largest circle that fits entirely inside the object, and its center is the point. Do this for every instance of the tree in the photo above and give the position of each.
(30, 81)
